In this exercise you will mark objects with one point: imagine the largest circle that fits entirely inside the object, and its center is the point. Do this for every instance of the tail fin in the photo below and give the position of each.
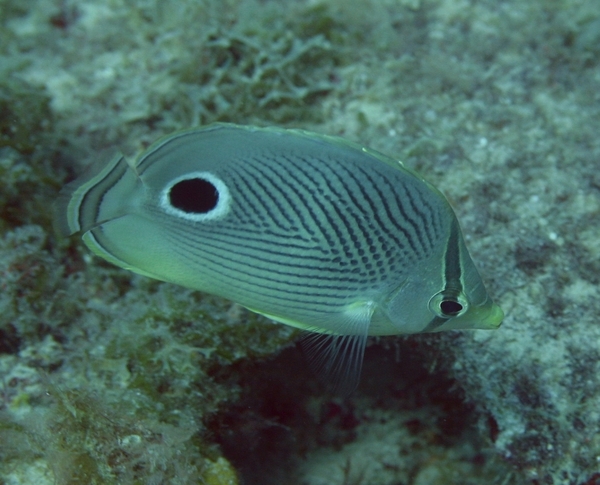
(95, 197)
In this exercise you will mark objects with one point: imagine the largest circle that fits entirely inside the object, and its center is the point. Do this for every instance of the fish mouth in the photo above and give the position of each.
(488, 317)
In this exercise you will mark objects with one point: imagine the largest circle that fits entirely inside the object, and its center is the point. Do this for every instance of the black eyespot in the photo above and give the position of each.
(196, 196)
(450, 308)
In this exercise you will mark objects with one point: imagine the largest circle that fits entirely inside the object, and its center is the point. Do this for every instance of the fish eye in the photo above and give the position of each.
(448, 306)
(197, 196)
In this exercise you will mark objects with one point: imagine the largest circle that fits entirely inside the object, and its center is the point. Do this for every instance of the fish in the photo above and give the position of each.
(309, 230)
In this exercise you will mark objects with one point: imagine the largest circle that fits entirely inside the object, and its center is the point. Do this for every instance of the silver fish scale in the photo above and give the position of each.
(306, 229)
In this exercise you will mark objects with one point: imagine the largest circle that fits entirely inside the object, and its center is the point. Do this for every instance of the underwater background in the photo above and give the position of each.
(111, 378)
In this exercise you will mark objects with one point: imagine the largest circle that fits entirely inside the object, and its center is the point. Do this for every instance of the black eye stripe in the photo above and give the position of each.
(452, 262)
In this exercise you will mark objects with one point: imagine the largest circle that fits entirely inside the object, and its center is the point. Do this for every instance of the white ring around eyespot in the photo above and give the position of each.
(220, 210)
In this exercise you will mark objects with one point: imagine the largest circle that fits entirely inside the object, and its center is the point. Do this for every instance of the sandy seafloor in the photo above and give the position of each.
(110, 378)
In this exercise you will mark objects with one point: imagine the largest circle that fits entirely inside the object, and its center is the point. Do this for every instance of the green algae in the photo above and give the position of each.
(25, 113)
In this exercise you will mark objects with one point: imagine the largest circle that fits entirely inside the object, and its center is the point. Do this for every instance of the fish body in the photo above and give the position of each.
(310, 230)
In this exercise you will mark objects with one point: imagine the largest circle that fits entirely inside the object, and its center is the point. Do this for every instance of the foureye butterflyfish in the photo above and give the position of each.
(310, 230)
